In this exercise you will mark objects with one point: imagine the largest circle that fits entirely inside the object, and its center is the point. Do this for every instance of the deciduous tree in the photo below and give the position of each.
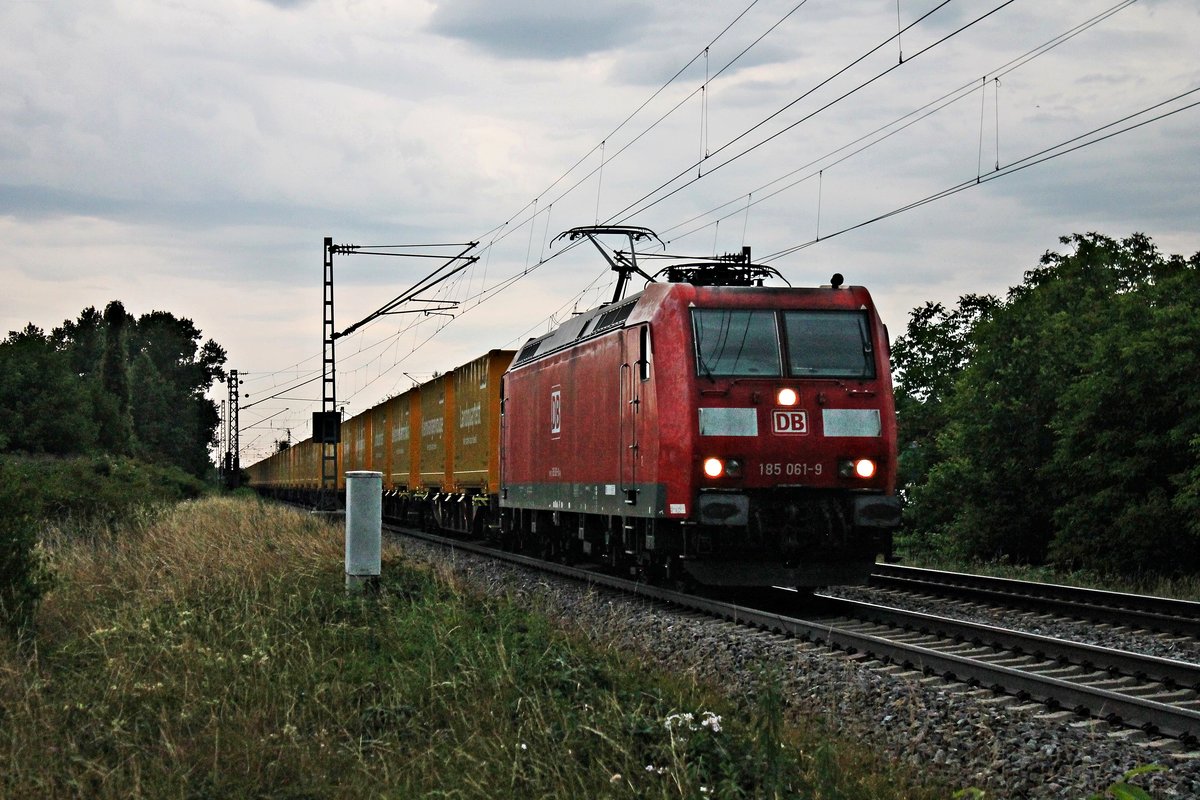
(44, 406)
(1064, 420)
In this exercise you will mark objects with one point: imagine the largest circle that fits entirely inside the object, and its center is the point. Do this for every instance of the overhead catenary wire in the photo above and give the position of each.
(1063, 148)
(499, 232)
(792, 125)
(625, 214)
(894, 127)
(512, 224)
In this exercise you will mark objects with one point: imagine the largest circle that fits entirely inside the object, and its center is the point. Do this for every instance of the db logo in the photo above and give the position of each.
(793, 422)
(556, 412)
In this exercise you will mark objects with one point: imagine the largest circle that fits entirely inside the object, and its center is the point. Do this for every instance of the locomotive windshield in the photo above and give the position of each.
(828, 344)
(739, 343)
(821, 344)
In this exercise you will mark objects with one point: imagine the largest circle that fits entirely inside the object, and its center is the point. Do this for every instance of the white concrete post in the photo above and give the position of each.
(364, 529)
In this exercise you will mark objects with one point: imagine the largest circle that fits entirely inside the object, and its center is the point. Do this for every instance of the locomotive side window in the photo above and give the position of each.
(644, 353)
(739, 343)
(828, 344)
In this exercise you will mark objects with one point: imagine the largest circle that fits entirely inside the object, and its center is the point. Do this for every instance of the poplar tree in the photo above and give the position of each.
(113, 412)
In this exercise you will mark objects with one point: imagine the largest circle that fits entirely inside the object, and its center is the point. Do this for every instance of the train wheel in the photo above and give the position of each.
(670, 574)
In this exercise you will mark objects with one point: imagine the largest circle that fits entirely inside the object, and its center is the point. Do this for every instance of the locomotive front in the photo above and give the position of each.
(786, 445)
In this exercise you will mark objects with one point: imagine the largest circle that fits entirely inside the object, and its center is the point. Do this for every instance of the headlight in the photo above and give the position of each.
(863, 468)
(722, 467)
(787, 397)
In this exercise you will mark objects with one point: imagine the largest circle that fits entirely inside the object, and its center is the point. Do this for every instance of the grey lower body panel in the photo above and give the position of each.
(648, 499)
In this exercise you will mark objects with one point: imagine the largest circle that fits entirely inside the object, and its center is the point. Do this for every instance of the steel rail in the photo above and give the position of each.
(1149, 715)
(1094, 605)
(1169, 672)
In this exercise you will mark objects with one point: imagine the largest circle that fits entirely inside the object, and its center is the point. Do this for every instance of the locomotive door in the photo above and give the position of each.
(635, 366)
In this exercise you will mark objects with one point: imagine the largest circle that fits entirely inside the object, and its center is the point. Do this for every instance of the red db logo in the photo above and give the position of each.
(789, 422)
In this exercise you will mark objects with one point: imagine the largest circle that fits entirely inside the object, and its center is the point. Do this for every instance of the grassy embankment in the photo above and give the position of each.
(209, 650)
(1183, 587)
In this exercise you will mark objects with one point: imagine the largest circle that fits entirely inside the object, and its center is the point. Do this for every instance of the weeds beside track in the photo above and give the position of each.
(210, 650)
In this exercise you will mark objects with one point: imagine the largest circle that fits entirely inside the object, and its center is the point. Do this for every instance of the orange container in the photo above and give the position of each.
(476, 423)
(381, 452)
(436, 456)
(355, 436)
(404, 421)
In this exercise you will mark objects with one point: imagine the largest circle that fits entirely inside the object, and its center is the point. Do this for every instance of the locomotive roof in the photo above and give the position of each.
(613, 316)
(610, 316)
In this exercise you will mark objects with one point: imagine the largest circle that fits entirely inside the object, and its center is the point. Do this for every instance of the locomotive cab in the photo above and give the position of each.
(795, 439)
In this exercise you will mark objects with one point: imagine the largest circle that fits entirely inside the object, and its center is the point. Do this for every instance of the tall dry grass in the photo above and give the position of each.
(210, 651)
(157, 642)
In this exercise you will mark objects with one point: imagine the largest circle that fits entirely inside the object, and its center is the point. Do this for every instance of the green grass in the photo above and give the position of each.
(210, 650)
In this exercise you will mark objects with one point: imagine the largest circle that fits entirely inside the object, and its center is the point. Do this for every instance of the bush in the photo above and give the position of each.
(94, 490)
(23, 577)
(76, 497)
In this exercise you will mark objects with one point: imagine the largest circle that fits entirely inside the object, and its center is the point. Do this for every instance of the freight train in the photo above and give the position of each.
(708, 429)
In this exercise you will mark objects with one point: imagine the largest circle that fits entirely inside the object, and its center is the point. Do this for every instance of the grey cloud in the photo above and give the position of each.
(44, 202)
(36, 202)
(538, 29)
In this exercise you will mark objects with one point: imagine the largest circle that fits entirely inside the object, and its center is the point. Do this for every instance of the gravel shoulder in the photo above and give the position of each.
(963, 737)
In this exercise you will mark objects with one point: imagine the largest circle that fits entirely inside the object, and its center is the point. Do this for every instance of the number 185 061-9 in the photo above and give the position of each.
(790, 470)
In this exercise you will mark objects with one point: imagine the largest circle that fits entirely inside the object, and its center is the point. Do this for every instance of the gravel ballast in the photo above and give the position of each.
(949, 731)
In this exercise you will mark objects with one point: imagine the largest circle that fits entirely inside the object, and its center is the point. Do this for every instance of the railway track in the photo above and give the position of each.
(1155, 695)
(1143, 612)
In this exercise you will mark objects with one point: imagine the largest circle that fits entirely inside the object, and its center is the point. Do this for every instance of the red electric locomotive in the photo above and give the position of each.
(708, 428)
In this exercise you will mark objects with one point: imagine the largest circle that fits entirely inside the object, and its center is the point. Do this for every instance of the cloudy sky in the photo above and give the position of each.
(191, 157)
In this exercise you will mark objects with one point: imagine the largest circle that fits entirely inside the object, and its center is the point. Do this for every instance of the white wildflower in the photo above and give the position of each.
(679, 721)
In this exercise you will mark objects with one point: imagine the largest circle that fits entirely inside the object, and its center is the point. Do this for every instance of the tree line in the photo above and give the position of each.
(112, 383)
(1059, 425)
